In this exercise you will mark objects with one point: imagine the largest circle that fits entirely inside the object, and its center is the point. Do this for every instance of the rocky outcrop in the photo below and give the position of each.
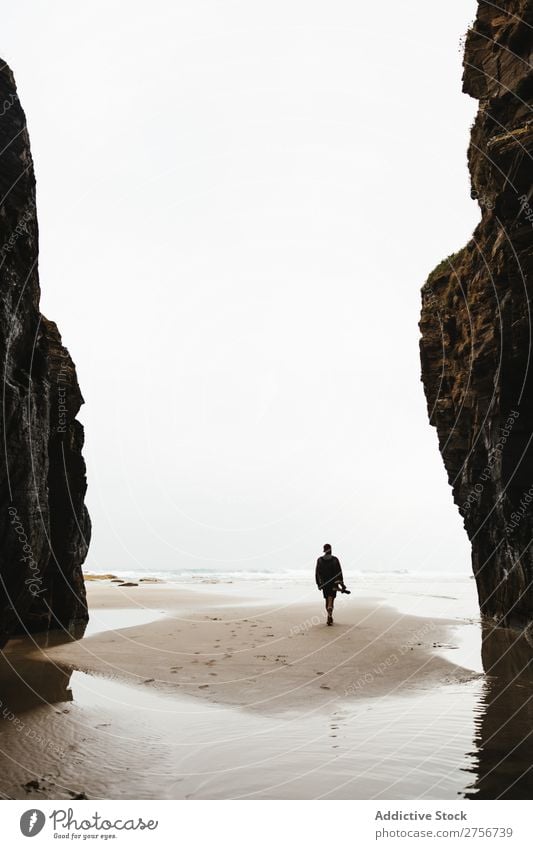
(476, 323)
(44, 524)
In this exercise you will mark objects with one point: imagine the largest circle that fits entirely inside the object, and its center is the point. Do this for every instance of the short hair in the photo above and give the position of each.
(327, 546)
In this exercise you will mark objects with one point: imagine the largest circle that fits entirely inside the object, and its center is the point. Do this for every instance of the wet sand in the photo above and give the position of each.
(195, 696)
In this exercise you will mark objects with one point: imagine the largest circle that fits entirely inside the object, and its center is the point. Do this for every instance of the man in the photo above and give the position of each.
(328, 574)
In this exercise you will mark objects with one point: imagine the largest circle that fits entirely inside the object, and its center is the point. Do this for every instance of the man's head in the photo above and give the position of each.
(327, 548)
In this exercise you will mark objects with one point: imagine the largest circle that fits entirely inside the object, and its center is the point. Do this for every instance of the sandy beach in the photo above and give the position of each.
(224, 691)
(270, 652)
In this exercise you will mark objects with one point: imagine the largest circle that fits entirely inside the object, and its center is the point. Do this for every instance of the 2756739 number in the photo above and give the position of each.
(494, 831)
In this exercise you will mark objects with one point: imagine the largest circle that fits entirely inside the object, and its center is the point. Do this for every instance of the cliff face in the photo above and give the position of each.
(44, 524)
(476, 322)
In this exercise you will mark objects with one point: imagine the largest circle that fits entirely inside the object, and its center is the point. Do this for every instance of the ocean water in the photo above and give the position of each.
(297, 576)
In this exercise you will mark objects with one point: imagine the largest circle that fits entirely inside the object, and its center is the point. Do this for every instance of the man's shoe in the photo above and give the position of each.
(330, 619)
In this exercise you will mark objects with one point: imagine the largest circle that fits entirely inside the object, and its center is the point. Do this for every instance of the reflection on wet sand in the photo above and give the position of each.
(504, 724)
(25, 681)
(33, 697)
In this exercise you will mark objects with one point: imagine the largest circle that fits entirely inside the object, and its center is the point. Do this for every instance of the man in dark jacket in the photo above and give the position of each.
(328, 574)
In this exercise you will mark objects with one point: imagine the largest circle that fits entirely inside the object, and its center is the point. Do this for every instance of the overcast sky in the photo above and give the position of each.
(238, 205)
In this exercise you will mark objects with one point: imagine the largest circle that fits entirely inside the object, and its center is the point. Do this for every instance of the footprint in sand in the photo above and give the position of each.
(324, 687)
(203, 686)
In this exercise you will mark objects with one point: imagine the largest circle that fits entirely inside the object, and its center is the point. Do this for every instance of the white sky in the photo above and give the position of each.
(238, 205)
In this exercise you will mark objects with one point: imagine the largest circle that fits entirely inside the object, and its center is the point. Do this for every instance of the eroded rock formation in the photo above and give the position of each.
(476, 323)
(44, 524)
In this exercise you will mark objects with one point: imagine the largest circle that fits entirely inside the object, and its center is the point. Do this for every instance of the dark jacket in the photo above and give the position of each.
(328, 571)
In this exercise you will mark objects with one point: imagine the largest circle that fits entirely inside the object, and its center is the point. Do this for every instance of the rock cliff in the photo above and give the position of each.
(476, 345)
(44, 524)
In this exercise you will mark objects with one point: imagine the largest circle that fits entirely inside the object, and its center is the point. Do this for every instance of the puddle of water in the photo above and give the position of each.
(116, 618)
(464, 647)
(385, 748)
(168, 747)
(101, 619)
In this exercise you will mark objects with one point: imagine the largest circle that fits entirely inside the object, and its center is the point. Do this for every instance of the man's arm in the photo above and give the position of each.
(340, 579)
(317, 574)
